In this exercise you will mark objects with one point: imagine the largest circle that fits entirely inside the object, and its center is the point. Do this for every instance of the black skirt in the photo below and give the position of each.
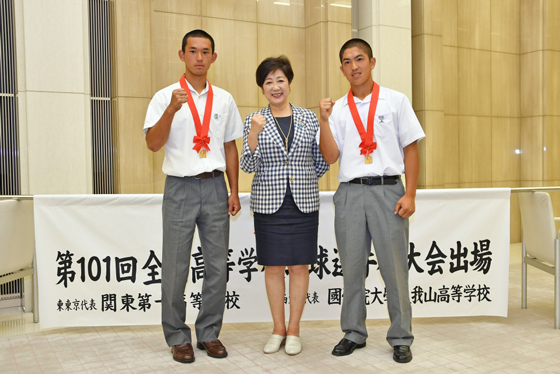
(286, 237)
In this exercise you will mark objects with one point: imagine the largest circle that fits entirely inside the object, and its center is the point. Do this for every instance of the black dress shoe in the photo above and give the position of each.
(346, 347)
(402, 354)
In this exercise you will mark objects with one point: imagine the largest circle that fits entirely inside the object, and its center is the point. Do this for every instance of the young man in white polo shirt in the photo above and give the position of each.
(373, 132)
(198, 124)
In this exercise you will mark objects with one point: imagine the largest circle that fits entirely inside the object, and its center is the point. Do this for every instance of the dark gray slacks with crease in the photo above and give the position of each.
(364, 214)
(190, 202)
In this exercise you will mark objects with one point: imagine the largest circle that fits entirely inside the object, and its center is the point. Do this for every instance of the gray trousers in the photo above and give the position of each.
(362, 214)
(190, 202)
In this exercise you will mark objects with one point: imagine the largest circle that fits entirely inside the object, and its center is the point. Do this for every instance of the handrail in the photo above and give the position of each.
(533, 189)
(513, 190)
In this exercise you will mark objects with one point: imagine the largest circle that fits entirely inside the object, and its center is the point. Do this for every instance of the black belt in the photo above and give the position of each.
(376, 181)
(210, 174)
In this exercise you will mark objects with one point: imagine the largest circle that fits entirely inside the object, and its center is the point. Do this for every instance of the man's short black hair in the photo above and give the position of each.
(197, 34)
(271, 64)
(356, 42)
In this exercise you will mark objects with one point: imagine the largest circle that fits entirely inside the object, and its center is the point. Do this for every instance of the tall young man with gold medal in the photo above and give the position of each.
(373, 133)
(199, 140)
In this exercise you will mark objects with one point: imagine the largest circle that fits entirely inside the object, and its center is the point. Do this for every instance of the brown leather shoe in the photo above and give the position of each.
(214, 348)
(183, 353)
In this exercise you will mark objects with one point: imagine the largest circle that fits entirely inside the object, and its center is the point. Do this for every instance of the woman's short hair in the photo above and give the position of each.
(271, 64)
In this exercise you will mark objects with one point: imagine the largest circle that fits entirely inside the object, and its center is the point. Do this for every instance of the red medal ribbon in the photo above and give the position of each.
(367, 145)
(201, 139)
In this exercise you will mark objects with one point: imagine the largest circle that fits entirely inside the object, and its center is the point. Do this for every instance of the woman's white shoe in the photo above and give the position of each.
(293, 345)
(274, 343)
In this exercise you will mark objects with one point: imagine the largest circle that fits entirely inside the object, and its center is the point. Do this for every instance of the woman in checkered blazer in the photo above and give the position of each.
(280, 147)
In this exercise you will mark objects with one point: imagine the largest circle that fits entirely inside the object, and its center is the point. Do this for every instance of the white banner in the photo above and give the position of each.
(98, 259)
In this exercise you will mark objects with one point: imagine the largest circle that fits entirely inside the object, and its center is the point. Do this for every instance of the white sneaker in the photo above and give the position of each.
(273, 344)
(293, 345)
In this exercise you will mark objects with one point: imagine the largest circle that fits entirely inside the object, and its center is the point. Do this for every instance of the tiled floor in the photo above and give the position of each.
(525, 342)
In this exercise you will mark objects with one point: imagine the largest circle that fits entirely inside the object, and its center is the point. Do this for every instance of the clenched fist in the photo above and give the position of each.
(178, 98)
(326, 107)
(258, 122)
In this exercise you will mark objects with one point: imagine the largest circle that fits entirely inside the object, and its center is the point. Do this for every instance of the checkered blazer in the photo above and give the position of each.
(274, 167)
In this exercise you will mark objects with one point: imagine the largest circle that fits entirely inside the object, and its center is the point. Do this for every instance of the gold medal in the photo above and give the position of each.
(202, 153)
(368, 160)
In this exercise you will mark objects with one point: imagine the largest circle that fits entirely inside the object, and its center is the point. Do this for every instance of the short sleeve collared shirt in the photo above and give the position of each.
(225, 125)
(395, 127)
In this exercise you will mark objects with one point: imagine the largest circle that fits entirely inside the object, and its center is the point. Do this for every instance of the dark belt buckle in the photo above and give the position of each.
(369, 181)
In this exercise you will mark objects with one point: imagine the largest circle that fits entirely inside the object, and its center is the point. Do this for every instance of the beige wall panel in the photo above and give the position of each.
(514, 218)
(331, 177)
(240, 10)
(474, 185)
(475, 149)
(133, 53)
(276, 40)
(158, 175)
(418, 72)
(433, 80)
(315, 63)
(422, 177)
(505, 25)
(505, 85)
(168, 31)
(514, 213)
(136, 165)
(449, 22)
(451, 149)
(473, 24)
(536, 183)
(234, 69)
(426, 16)
(277, 14)
(337, 35)
(450, 80)
(337, 13)
(368, 13)
(506, 138)
(417, 17)
(552, 14)
(474, 82)
(58, 143)
(434, 127)
(55, 44)
(532, 144)
(178, 6)
(505, 28)
(552, 144)
(531, 25)
(394, 63)
(532, 85)
(397, 13)
(315, 12)
(552, 83)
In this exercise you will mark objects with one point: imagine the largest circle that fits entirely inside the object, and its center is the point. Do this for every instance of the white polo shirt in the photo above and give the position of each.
(225, 125)
(395, 127)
